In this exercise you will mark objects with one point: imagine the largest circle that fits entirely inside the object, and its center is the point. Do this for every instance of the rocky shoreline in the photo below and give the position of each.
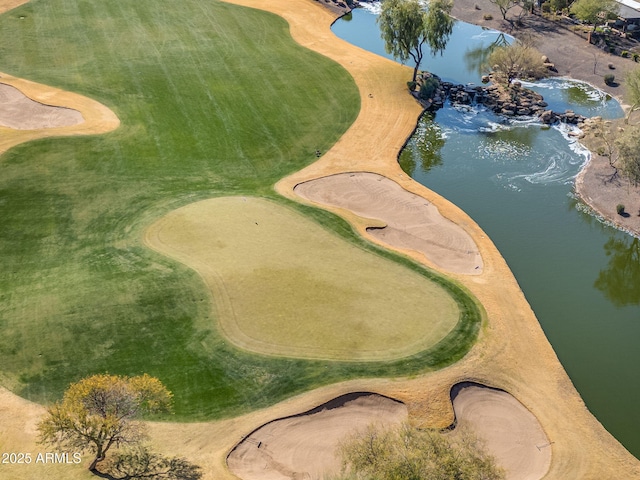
(515, 101)
(575, 61)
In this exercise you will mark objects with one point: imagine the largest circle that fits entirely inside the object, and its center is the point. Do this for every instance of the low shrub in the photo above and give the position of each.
(412, 86)
(487, 16)
(609, 79)
(624, 54)
(620, 209)
(636, 57)
(428, 88)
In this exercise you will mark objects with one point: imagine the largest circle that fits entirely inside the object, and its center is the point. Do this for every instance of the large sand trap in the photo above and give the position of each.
(411, 221)
(304, 446)
(20, 112)
(511, 433)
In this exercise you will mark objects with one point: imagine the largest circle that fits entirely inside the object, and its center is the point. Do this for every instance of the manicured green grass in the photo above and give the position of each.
(285, 286)
(214, 100)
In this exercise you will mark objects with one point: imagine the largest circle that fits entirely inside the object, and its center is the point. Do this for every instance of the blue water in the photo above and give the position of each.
(581, 277)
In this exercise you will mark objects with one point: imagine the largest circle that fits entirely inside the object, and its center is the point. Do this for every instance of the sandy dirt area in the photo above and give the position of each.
(594, 187)
(6, 5)
(509, 431)
(305, 446)
(20, 112)
(55, 122)
(411, 223)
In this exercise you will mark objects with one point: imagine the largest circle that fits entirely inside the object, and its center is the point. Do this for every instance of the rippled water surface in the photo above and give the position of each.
(581, 277)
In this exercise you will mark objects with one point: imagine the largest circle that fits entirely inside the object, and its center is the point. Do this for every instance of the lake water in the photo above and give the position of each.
(581, 277)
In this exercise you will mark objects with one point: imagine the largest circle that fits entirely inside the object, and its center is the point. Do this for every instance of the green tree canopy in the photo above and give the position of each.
(594, 11)
(99, 412)
(406, 27)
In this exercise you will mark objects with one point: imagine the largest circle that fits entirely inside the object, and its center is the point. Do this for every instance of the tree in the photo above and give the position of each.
(592, 11)
(620, 281)
(504, 6)
(99, 412)
(632, 83)
(558, 5)
(604, 145)
(628, 145)
(518, 60)
(410, 454)
(406, 27)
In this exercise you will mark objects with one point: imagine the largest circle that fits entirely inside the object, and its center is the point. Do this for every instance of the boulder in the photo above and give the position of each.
(548, 117)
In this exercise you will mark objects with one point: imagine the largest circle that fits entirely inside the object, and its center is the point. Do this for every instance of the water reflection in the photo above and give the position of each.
(620, 281)
(476, 58)
(424, 149)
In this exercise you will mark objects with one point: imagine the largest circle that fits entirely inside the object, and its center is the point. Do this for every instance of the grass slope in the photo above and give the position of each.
(214, 100)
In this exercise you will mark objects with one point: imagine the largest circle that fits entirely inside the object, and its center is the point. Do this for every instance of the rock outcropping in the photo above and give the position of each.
(512, 101)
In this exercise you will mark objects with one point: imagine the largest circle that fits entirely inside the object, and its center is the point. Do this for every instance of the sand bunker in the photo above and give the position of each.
(411, 222)
(21, 113)
(304, 446)
(512, 434)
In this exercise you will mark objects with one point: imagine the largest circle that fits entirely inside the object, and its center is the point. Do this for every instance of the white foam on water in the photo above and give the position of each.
(592, 93)
(571, 134)
(372, 7)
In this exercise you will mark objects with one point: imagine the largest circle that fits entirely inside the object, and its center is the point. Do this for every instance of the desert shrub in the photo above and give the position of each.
(636, 57)
(624, 54)
(428, 87)
(558, 5)
(412, 85)
(620, 209)
(546, 8)
(409, 453)
(609, 79)
(487, 16)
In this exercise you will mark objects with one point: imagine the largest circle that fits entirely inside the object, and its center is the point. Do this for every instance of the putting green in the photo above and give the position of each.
(283, 285)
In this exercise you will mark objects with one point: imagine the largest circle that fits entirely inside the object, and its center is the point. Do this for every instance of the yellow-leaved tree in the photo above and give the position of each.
(100, 412)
